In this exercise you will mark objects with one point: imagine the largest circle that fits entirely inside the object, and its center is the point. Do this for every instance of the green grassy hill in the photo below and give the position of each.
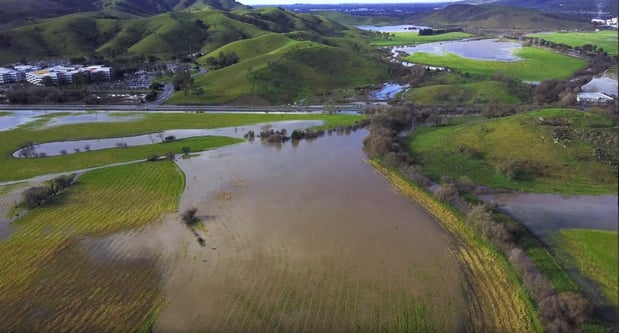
(483, 92)
(276, 69)
(487, 149)
(498, 17)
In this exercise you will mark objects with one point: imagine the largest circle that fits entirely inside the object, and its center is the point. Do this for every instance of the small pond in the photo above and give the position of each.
(69, 147)
(481, 49)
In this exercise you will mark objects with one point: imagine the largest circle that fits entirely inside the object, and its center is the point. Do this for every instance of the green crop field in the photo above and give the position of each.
(462, 94)
(45, 269)
(606, 39)
(19, 168)
(481, 149)
(595, 254)
(411, 38)
(537, 64)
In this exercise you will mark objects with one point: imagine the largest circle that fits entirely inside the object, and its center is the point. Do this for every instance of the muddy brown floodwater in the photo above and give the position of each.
(304, 238)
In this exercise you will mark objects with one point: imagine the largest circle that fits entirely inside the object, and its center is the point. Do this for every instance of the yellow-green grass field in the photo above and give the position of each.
(595, 254)
(606, 39)
(462, 94)
(50, 282)
(536, 64)
(411, 38)
(20, 168)
(475, 150)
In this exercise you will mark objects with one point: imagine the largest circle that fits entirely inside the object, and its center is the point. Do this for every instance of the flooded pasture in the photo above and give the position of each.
(297, 237)
(76, 146)
(392, 28)
(481, 49)
(56, 118)
(545, 214)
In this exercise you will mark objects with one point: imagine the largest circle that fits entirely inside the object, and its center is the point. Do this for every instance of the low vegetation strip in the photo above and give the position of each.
(49, 281)
(595, 254)
(606, 39)
(18, 168)
(411, 38)
(537, 64)
(496, 301)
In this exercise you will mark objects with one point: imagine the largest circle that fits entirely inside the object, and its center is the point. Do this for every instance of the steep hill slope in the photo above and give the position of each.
(498, 17)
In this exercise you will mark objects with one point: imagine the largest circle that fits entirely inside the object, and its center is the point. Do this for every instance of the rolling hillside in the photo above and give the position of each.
(163, 35)
(498, 17)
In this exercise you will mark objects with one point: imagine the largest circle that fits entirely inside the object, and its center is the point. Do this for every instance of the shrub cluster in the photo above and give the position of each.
(38, 195)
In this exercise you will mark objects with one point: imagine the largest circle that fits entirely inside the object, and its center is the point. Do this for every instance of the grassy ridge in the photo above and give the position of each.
(606, 39)
(18, 168)
(43, 268)
(409, 38)
(475, 150)
(537, 64)
(462, 94)
(595, 253)
(497, 301)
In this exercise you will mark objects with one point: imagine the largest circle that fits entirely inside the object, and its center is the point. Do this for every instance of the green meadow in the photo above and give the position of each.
(606, 39)
(595, 255)
(19, 168)
(481, 149)
(536, 64)
(463, 94)
(411, 38)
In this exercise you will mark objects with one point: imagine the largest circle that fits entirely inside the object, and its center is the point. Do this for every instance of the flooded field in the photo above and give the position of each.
(22, 117)
(546, 214)
(483, 49)
(604, 84)
(69, 147)
(393, 28)
(297, 238)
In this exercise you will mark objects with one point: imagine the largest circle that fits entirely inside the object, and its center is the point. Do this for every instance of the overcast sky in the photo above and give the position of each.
(291, 2)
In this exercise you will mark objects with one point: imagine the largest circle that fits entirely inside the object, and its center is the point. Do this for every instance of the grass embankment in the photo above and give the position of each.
(606, 39)
(19, 168)
(477, 151)
(595, 255)
(50, 283)
(5, 113)
(497, 302)
(462, 94)
(537, 64)
(412, 38)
